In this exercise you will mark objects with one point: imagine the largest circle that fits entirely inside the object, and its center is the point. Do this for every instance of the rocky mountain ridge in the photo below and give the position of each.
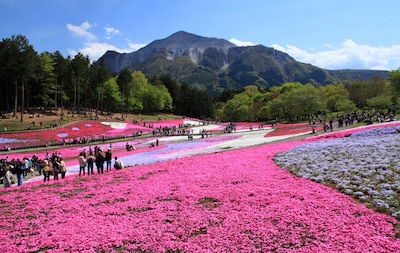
(215, 65)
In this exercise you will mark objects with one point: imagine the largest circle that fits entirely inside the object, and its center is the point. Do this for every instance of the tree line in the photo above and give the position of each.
(295, 101)
(50, 80)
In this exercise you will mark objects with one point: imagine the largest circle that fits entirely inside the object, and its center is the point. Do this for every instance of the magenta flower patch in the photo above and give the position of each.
(234, 201)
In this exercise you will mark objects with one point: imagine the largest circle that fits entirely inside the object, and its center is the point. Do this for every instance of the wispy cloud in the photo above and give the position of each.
(348, 55)
(82, 31)
(134, 46)
(92, 47)
(240, 43)
(95, 50)
(110, 31)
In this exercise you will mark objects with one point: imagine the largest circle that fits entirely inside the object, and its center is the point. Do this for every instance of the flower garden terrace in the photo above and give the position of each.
(233, 201)
(89, 132)
(118, 134)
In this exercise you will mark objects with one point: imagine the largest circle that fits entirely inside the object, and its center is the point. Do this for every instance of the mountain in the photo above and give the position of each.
(215, 65)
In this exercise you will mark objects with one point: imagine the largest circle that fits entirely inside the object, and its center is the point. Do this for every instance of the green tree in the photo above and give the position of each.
(146, 97)
(61, 70)
(394, 78)
(360, 91)
(124, 78)
(112, 95)
(18, 62)
(136, 90)
(239, 108)
(293, 101)
(288, 87)
(201, 104)
(375, 87)
(306, 101)
(333, 95)
(46, 79)
(379, 102)
(355, 88)
(80, 65)
(174, 90)
(345, 106)
(99, 74)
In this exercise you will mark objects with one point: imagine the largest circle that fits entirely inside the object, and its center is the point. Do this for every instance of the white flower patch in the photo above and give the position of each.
(115, 125)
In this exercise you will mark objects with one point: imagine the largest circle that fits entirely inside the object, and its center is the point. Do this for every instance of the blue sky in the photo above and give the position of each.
(332, 34)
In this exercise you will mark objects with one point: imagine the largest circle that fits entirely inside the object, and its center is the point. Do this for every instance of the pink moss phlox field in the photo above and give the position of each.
(78, 130)
(165, 123)
(118, 148)
(236, 201)
(291, 129)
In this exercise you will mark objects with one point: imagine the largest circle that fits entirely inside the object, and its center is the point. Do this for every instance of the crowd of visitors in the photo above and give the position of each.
(97, 157)
(29, 167)
(16, 170)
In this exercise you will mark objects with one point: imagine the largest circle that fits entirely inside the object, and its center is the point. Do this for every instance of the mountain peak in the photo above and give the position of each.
(172, 47)
(184, 40)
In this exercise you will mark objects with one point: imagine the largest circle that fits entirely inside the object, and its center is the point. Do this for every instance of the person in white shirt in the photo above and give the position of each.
(118, 164)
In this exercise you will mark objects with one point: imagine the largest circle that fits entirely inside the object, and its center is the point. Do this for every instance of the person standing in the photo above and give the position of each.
(82, 163)
(108, 159)
(56, 168)
(56, 171)
(100, 161)
(7, 177)
(46, 170)
(19, 168)
(35, 164)
(62, 167)
(25, 162)
(90, 162)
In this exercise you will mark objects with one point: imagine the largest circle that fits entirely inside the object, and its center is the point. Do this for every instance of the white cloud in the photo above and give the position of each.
(348, 55)
(92, 47)
(95, 50)
(135, 46)
(240, 43)
(82, 31)
(111, 31)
